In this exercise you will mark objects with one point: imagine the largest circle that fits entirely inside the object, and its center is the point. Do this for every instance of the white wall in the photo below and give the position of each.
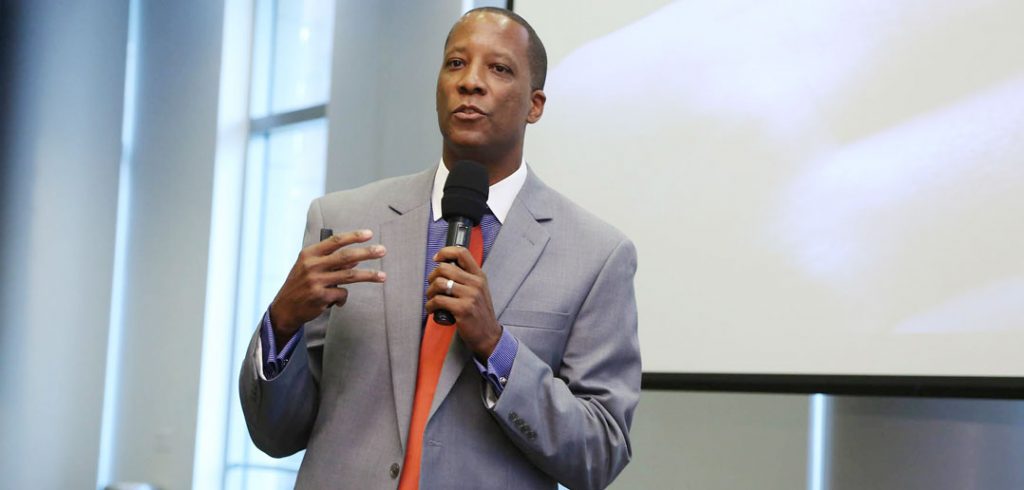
(381, 113)
(63, 83)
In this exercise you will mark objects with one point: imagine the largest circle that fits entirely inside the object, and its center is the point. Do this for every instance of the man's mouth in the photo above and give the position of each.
(468, 112)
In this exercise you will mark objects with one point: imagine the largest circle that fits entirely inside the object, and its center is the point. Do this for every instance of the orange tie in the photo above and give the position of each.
(436, 340)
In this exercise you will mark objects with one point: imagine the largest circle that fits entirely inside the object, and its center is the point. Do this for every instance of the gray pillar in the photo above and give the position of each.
(172, 168)
(717, 441)
(61, 94)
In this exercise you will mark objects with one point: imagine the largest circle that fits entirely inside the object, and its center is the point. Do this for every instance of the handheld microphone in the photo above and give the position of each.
(463, 204)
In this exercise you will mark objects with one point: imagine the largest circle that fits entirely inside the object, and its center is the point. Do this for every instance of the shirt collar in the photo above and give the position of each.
(499, 196)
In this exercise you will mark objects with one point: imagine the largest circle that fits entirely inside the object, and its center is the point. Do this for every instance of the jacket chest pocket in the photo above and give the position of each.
(543, 332)
(547, 320)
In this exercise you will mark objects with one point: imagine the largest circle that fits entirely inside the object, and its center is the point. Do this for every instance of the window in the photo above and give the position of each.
(284, 170)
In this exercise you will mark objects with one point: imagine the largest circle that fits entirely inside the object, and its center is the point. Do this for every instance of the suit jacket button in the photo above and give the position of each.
(395, 470)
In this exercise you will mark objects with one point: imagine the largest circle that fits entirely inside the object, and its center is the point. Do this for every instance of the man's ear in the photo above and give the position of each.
(537, 100)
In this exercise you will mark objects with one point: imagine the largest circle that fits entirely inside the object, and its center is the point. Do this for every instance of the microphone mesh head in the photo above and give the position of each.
(465, 192)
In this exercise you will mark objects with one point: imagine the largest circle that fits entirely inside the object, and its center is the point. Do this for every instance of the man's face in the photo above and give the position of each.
(484, 100)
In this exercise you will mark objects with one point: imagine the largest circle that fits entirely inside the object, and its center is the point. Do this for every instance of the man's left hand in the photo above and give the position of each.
(470, 301)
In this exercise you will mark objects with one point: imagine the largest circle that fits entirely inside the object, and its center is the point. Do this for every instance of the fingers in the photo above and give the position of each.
(339, 264)
(347, 258)
(468, 277)
(312, 284)
(438, 279)
(447, 303)
(334, 253)
(439, 285)
(468, 299)
(350, 276)
(464, 302)
(461, 256)
(334, 242)
(335, 297)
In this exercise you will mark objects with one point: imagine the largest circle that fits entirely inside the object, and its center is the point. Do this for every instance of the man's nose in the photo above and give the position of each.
(471, 82)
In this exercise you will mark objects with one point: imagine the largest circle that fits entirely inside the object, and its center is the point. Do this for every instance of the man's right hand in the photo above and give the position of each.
(314, 281)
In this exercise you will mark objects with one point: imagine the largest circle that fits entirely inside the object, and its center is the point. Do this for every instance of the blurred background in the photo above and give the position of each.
(157, 162)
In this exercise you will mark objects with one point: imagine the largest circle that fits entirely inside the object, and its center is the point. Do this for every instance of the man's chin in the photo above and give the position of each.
(467, 141)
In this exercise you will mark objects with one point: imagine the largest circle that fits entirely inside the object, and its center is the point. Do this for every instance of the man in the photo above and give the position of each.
(549, 321)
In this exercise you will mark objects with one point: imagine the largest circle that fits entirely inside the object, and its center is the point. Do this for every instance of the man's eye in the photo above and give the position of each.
(502, 69)
(455, 63)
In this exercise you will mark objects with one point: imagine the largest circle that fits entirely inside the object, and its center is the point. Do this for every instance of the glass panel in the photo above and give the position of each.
(291, 59)
(247, 310)
(296, 169)
(262, 43)
(302, 54)
(284, 172)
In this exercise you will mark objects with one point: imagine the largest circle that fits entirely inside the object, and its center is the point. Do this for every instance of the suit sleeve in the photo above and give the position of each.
(280, 411)
(575, 426)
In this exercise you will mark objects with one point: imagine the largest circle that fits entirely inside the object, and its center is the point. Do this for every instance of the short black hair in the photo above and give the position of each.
(535, 52)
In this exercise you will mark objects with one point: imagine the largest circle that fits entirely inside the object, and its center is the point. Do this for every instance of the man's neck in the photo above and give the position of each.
(498, 166)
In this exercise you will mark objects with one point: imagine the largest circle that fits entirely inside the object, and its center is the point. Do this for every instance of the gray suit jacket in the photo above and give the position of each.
(562, 283)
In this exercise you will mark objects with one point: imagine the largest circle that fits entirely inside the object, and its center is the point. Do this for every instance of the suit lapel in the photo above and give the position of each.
(405, 237)
(512, 256)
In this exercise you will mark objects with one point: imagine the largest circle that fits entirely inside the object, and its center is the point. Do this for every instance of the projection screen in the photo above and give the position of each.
(814, 186)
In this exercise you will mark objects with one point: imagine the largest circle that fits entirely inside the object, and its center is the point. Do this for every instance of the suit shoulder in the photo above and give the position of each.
(582, 225)
(372, 194)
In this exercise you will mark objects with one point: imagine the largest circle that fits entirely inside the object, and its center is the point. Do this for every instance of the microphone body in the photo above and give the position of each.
(463, 204)
(459, 231)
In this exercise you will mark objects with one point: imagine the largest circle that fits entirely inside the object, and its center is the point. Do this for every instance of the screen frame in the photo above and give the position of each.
(991, 387)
